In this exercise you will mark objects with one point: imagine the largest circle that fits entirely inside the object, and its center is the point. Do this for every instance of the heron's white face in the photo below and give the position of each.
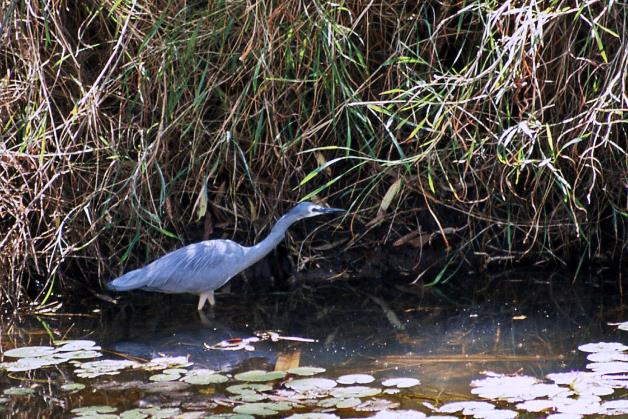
(309, 209)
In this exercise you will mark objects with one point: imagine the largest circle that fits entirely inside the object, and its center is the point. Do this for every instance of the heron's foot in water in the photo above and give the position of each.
(207, 316)
(206, 296)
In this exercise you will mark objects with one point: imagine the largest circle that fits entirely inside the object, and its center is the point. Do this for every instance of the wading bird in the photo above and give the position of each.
(203, 267)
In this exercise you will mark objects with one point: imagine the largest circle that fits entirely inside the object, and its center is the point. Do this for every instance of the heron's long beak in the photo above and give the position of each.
(330, 210)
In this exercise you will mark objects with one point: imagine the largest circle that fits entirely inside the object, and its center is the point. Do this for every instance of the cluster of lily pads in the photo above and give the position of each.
(567, 394)
(304, 394)
(35, 357)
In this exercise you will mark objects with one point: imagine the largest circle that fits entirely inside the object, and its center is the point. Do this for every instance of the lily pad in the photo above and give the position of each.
(90, 410)
(152, 412)
(615, 367)
(27, 364)
(401, 414)
(105, 367)
(571, 377)
(495, 414)
(29, 351)
(355, 391)
(175, 371)
(311, 384)
(18, 391)
(356, 379)
(248, 388)
(260, 375)
(607, 356)
(250, 398)
(165, 362)
(602, 347)
(313, 415)
(536, 406)
(376, 405)
(164, 377)
(77, 345)
(204, 379)
(262, 409)
(230, 416)
(72, 386)
(401, 382)
(467, 408)
(339, 403)
(615, 407)
(306, 371)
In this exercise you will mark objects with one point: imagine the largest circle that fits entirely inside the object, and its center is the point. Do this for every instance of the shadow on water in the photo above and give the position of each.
(445, 337)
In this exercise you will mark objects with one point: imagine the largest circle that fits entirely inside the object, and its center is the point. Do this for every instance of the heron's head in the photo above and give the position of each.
(310, 209)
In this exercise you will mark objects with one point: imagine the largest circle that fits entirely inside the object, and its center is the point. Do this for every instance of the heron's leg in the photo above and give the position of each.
(210, 298)
(201, 300)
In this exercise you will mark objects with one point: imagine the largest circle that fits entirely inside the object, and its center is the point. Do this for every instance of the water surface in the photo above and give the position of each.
(529, 324)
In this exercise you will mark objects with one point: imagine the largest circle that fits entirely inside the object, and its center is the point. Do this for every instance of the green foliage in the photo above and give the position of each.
(499, 127)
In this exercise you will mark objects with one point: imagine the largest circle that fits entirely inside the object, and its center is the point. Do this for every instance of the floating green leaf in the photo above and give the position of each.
(29, 351)
(77, 345)
(339, 403)
(164, 377)
(401, 382)
(356, 379)
(72, 386)
(603, 347)
(18, 391)
(152, 412)
(311, 384)
(90, 410)
(306, 371)
(262, 409)
(355, 391)
(260, 375)
(248, 388)
(205, 378)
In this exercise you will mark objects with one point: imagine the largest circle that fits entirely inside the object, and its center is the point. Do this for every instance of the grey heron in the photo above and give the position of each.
(200, 268)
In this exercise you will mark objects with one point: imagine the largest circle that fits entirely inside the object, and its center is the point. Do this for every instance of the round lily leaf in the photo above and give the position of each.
(90, 410)
(355, 391)
(260, 375)
(262, 409)
(27, 364)
(311, 384)
(175, 371)
(313, 415)
(602, 347)
(80, 354)
(306, 371)
(401, 382)
(339, 403)
(248, 388)
(204, 379)
(164, 377)
(404, 414)
(467, 408)
(152, 412)
(29, 351)
(229, 416)
(250, 398)
(18, 391)
(72, 386)
(77, 345)
(356, 379)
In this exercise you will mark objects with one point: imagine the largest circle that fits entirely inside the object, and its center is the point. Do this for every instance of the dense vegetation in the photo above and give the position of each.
(496, 130)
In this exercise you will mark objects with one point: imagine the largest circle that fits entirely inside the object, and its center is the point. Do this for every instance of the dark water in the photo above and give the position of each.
(526, 323)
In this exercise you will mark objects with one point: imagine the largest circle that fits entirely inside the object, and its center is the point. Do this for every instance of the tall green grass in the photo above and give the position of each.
(495, 130)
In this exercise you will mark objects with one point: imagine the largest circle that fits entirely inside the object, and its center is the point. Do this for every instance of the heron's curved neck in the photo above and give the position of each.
(271, 241)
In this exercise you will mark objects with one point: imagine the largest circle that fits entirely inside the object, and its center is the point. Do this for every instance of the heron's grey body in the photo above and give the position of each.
(202, 267)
